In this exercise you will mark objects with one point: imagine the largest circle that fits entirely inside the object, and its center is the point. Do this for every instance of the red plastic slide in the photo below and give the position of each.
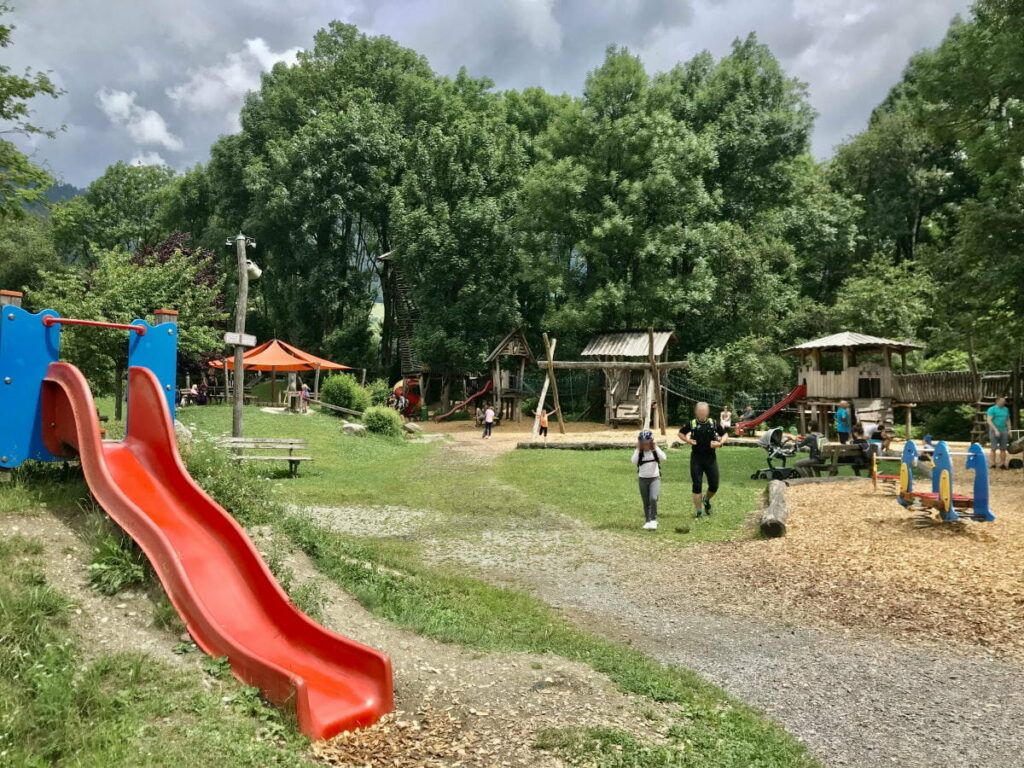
(486, 388)
(796, 393)
(210, 569)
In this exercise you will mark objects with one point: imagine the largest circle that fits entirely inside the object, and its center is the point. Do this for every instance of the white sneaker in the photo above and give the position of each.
(647, 525)
(654, 525)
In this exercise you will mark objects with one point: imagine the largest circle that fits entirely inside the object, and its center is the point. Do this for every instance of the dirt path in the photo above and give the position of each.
(857, 698)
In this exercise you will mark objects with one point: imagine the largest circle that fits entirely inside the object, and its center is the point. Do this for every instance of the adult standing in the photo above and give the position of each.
(705, 436)
(843, 422)
(998, 419)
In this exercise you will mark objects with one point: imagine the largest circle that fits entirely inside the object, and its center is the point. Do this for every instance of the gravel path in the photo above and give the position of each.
(854, 702)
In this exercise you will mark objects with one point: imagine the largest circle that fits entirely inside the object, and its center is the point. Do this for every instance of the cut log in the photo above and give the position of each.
(773, 516)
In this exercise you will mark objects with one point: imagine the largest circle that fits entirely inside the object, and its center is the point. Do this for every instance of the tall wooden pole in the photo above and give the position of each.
(550, 351)
(241, 305)
(656, 379)
(543, 396)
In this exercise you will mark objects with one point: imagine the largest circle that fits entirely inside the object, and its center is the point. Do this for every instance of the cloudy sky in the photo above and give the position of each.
(159, 81)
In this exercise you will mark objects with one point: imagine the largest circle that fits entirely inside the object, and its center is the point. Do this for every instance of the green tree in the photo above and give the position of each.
(888, 299)
(453, 218)
(26, 249)
(120, 288)
(120, 209)
(312, 176)
(21, 182)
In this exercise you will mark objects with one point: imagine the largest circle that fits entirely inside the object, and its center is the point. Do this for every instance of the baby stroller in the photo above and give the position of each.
(780, 447)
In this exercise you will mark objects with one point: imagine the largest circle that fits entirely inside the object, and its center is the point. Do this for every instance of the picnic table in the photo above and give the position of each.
(835, 455)
(284, 449)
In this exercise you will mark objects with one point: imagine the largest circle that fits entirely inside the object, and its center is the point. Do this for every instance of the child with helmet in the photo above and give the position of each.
(648, 457)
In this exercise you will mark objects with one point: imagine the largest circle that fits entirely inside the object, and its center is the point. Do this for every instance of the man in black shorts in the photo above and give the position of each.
(705, 435)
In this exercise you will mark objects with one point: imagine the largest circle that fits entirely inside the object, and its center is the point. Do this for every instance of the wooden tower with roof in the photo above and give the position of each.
(632, 393)
(509, 378)
(849, 366)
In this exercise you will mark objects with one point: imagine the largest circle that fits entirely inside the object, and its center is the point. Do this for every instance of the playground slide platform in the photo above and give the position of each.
(211, 571)
(798, 392)
(486, 388)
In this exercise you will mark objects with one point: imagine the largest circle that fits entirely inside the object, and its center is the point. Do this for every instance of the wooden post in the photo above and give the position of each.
(273, 387)
(803, 416)
(316, 383)
(909, 420)
(227, 388)
(11, 298)
(543, 397)
(550, 351)
(656, 379)
(498, 392)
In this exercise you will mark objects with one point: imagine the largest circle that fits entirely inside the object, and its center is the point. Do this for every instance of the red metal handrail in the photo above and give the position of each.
(50, 320)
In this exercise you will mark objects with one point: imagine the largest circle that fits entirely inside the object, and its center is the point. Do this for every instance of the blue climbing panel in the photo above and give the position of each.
(158, 351)
(27, 347)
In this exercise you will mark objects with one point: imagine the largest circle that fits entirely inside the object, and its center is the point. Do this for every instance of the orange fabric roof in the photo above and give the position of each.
(276, 355)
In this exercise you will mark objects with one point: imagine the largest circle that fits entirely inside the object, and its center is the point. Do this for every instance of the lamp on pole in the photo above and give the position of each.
(241, 242)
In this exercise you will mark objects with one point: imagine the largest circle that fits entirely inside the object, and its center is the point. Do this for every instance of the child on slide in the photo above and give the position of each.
(648, 457)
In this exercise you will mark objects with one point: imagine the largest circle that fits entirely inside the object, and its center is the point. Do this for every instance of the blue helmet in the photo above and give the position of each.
(645, 436)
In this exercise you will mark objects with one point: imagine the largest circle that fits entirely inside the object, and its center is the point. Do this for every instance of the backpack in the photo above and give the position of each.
(640, 460)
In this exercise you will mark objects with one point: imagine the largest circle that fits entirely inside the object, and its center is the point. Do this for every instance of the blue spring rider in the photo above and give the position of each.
(951, 506)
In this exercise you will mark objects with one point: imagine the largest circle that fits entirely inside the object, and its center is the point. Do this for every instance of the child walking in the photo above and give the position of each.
(488, 421)
(648, 457)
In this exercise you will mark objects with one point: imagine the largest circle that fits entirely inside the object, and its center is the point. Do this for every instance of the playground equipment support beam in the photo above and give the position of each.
(543, 396)
(549, 351)
(659, 401)
(50, 321)
(614, 365)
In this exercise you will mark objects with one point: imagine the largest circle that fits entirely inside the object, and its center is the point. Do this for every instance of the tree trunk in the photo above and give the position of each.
(118, 391)
(446, 392)
(773, 517)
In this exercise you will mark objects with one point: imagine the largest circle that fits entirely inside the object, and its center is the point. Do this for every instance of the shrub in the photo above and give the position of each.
(383, 421)
(379, 391)
(234, 485)
(344, 391)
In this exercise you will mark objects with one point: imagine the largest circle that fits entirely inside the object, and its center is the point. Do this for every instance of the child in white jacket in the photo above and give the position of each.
(648, 457)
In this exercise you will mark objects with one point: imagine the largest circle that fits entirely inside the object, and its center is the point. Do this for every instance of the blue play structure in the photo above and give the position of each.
(951, 506)
(29, 343)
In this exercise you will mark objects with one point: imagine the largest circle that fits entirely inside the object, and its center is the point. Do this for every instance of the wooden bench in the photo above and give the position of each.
(244, 447)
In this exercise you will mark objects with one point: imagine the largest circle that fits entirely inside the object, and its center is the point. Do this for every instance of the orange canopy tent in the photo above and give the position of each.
(275, 355)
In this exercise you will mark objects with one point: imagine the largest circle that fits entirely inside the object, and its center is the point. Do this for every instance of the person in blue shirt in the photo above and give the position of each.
(843, 422)
(998, 418)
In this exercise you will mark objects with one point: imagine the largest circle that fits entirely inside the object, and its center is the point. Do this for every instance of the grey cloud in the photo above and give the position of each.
(188, 63)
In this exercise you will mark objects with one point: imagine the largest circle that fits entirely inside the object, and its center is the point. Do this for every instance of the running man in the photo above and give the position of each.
(998, 418)
(705, 435)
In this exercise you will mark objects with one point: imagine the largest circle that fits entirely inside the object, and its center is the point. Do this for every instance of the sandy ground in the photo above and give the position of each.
(818, 629)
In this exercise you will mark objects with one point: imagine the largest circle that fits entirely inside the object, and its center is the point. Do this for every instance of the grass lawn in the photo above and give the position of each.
(61, 708)
(600, 488)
